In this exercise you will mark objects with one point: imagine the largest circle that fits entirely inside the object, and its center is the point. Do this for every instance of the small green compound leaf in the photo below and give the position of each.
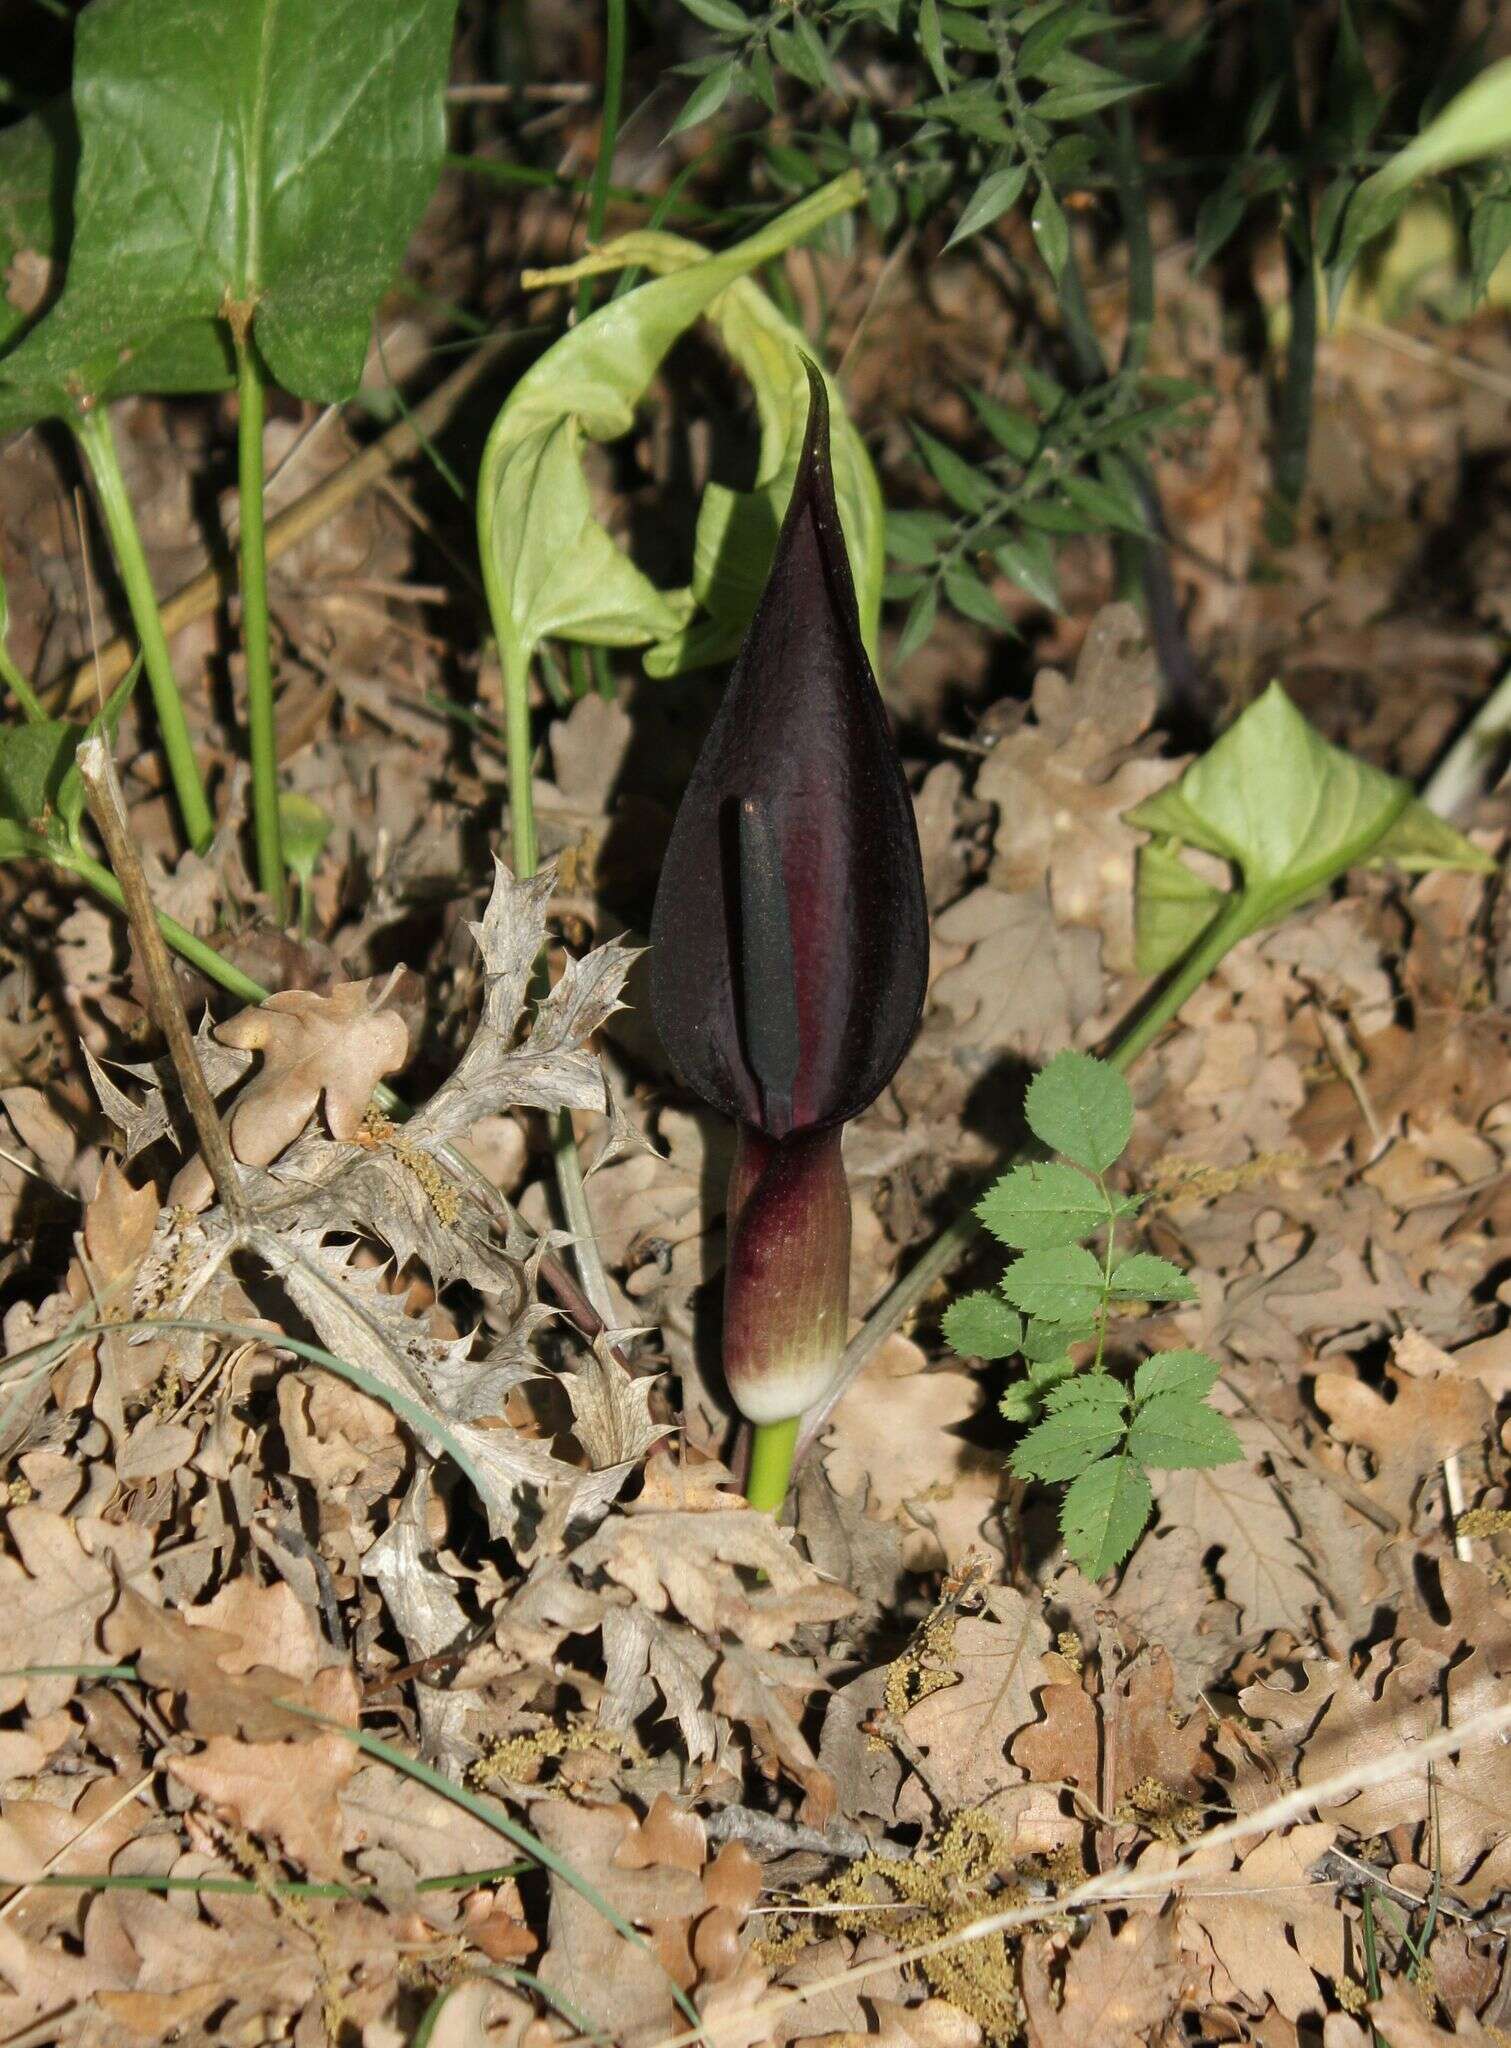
(982, 1326)
(1172, 1430)
(1024, 1399)
(1082, 1108)
(1190, 1373)
(1103, 1514)
(1042, 1204)
(1143, 1277)
(1061, 1284)
(1064, 1444)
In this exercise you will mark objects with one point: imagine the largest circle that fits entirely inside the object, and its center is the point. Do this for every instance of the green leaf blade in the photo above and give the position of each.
(982, 1326)
(1104, 1513)
(1082, 1108)
(1175, 1432)
(1065, 1444)
(1143, 1277)
(1041, 1204)
(1061, 1284)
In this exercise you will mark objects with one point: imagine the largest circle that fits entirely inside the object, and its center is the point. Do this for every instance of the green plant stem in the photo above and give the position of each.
(195, 951)
(608, 137)
(1243, 913)
(97, 444)
(19, 687)
(262, 721)
(771, 1453)
(524, 852)
(525, 859)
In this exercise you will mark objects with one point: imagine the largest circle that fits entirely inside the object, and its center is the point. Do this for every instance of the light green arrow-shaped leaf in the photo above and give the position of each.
(559, 573)
(1291, 812)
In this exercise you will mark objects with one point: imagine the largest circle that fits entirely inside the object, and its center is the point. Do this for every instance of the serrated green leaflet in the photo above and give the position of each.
(1094, 1389)
(1176, 1372)
(1042, 1204)
(1103, 1513)
(1062, 1284)
(1044, 1340)
(274, 154)
(1065, 1443)
(1143, 1277)
(982, 1326)
(1080, 1107)
(1173, 1430)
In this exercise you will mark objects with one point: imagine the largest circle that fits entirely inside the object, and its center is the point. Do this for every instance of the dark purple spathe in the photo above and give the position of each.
(790, 936)
(789, 944)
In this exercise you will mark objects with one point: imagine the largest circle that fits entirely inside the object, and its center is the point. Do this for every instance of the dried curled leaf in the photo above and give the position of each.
(333, 1048)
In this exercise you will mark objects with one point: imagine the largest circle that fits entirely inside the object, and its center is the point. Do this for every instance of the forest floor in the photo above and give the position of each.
(798, 1766)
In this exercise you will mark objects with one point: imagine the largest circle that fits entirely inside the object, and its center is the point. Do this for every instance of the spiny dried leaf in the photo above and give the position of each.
(697, 1563)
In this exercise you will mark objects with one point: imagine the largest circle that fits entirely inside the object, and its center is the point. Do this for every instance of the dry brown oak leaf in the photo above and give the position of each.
(339, 1046)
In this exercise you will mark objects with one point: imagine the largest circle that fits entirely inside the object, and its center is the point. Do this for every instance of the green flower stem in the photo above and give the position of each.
(195, 951)
(1244, 911)
(608, 136)
(19, 687)
(771, 1452)
(262, 721)
(97, 444)
(524, 853)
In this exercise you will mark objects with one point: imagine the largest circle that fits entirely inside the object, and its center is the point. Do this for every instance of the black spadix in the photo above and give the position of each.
(789, 944)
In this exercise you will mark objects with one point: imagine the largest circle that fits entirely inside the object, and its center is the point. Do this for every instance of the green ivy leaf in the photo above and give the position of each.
(1062, 1284)
(1190, 1373)
(1042, 1204)
(1082, 1108)
(982, 1326)
(1143, 1277)
(1103, 1514)
(1173, 1431)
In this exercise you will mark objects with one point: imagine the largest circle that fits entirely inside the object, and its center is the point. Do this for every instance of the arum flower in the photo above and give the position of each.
(789, 954)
